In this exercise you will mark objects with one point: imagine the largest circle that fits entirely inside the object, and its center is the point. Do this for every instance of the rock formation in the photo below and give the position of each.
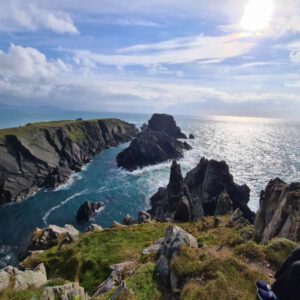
(67, 291)
(199, 193)
(158, 143)
(174, 201)
(279, 212)
(18, 280)
(42, 239)
(175, 238)
(87, 210)
(166, 123)
(191, 136)
(43, 155)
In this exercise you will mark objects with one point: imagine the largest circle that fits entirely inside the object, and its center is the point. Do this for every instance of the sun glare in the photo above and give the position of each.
(257, 15)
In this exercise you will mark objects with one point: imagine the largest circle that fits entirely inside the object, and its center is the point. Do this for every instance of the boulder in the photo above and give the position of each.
(95, 228)
(175, 238)
(151, 147)
(88, 210)
(237, 218)
(116, 224)
(279, 212)
(119, 272)
(16, 279)
(128, 220)
(224, 205)
(144, 217)
(42, 239)
(166, 123)
(153, 249)
(65, 292)
(191, 136)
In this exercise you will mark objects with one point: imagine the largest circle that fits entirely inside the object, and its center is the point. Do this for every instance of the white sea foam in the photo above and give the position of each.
(51, 210)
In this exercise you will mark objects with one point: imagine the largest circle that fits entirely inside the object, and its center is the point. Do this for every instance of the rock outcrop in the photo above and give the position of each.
(119, 271)
(67, 291)
(191, 136)
(18, 280)
(173, 202)
(175, 238)
(42, 239)
(88, 210)
(279, 212)
(158, 143)
(44, 155)
(198, 194)
(166, 123)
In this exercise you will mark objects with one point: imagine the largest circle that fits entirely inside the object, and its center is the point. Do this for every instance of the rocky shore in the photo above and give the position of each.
(44, 155)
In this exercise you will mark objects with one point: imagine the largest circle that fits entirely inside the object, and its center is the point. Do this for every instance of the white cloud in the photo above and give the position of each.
(171, 52)
(22, 16)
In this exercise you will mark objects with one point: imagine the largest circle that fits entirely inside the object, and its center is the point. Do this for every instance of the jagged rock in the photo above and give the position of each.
(67, 291)
(95, 228)
(191, 136)
(34, 157)
(128, 220)
(175, 238)
(199, 192)
(158, 143)
(42, 239)
(149, 148)
(144, 217)
(175, 201)
(16, 279)
(153, 249)
(119, 271)
(279, 212)
(166, 123)
(88, 210)
(238, 218)
(144, 127)
(224, 205)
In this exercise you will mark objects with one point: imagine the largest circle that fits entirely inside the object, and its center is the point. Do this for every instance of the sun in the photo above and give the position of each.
(257, 15)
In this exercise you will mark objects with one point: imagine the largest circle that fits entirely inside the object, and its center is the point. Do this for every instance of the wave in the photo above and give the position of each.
(51, 210)
(65, 186)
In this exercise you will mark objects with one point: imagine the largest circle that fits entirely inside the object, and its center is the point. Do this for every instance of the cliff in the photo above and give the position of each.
(43, 155)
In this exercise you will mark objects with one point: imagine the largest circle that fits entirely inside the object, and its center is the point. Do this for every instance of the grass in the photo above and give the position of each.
(25, 131)
(30, 294)
(225, 278)
(88, 259)
(225, 266)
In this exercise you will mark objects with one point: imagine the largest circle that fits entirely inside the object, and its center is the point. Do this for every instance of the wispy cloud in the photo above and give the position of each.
(27, 16)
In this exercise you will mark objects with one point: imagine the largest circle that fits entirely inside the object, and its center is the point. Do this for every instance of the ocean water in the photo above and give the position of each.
(256, 150)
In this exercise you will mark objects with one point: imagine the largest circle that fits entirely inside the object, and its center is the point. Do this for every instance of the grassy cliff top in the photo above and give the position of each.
(226, 265)
(32, 127)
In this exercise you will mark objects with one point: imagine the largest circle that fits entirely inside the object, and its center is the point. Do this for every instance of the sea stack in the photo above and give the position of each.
(157, 143)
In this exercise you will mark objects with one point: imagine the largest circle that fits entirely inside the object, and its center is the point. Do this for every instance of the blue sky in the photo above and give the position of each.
(233, 57)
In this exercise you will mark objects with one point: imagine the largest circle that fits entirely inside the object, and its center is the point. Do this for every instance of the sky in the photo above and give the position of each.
(221, 57)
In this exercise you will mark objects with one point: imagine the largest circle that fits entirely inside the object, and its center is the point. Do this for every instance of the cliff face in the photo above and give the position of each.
(43, 155)
(279, 212)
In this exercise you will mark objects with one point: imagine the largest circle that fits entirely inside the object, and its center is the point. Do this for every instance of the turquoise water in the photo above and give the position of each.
(255, 149)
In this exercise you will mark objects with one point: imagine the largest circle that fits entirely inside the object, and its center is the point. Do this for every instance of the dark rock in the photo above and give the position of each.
(175, 238)
(191, 136)
(279, 212)
(201, 189)
(128, 220)
(144, 127)
(87, 210)
(166, 123)
(144, 217)
(224, 205)
(149, 148)
(33, 157)
(43, 239)
(174, 201)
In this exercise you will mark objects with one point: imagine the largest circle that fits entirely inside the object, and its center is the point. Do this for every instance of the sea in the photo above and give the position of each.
(256, 150)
